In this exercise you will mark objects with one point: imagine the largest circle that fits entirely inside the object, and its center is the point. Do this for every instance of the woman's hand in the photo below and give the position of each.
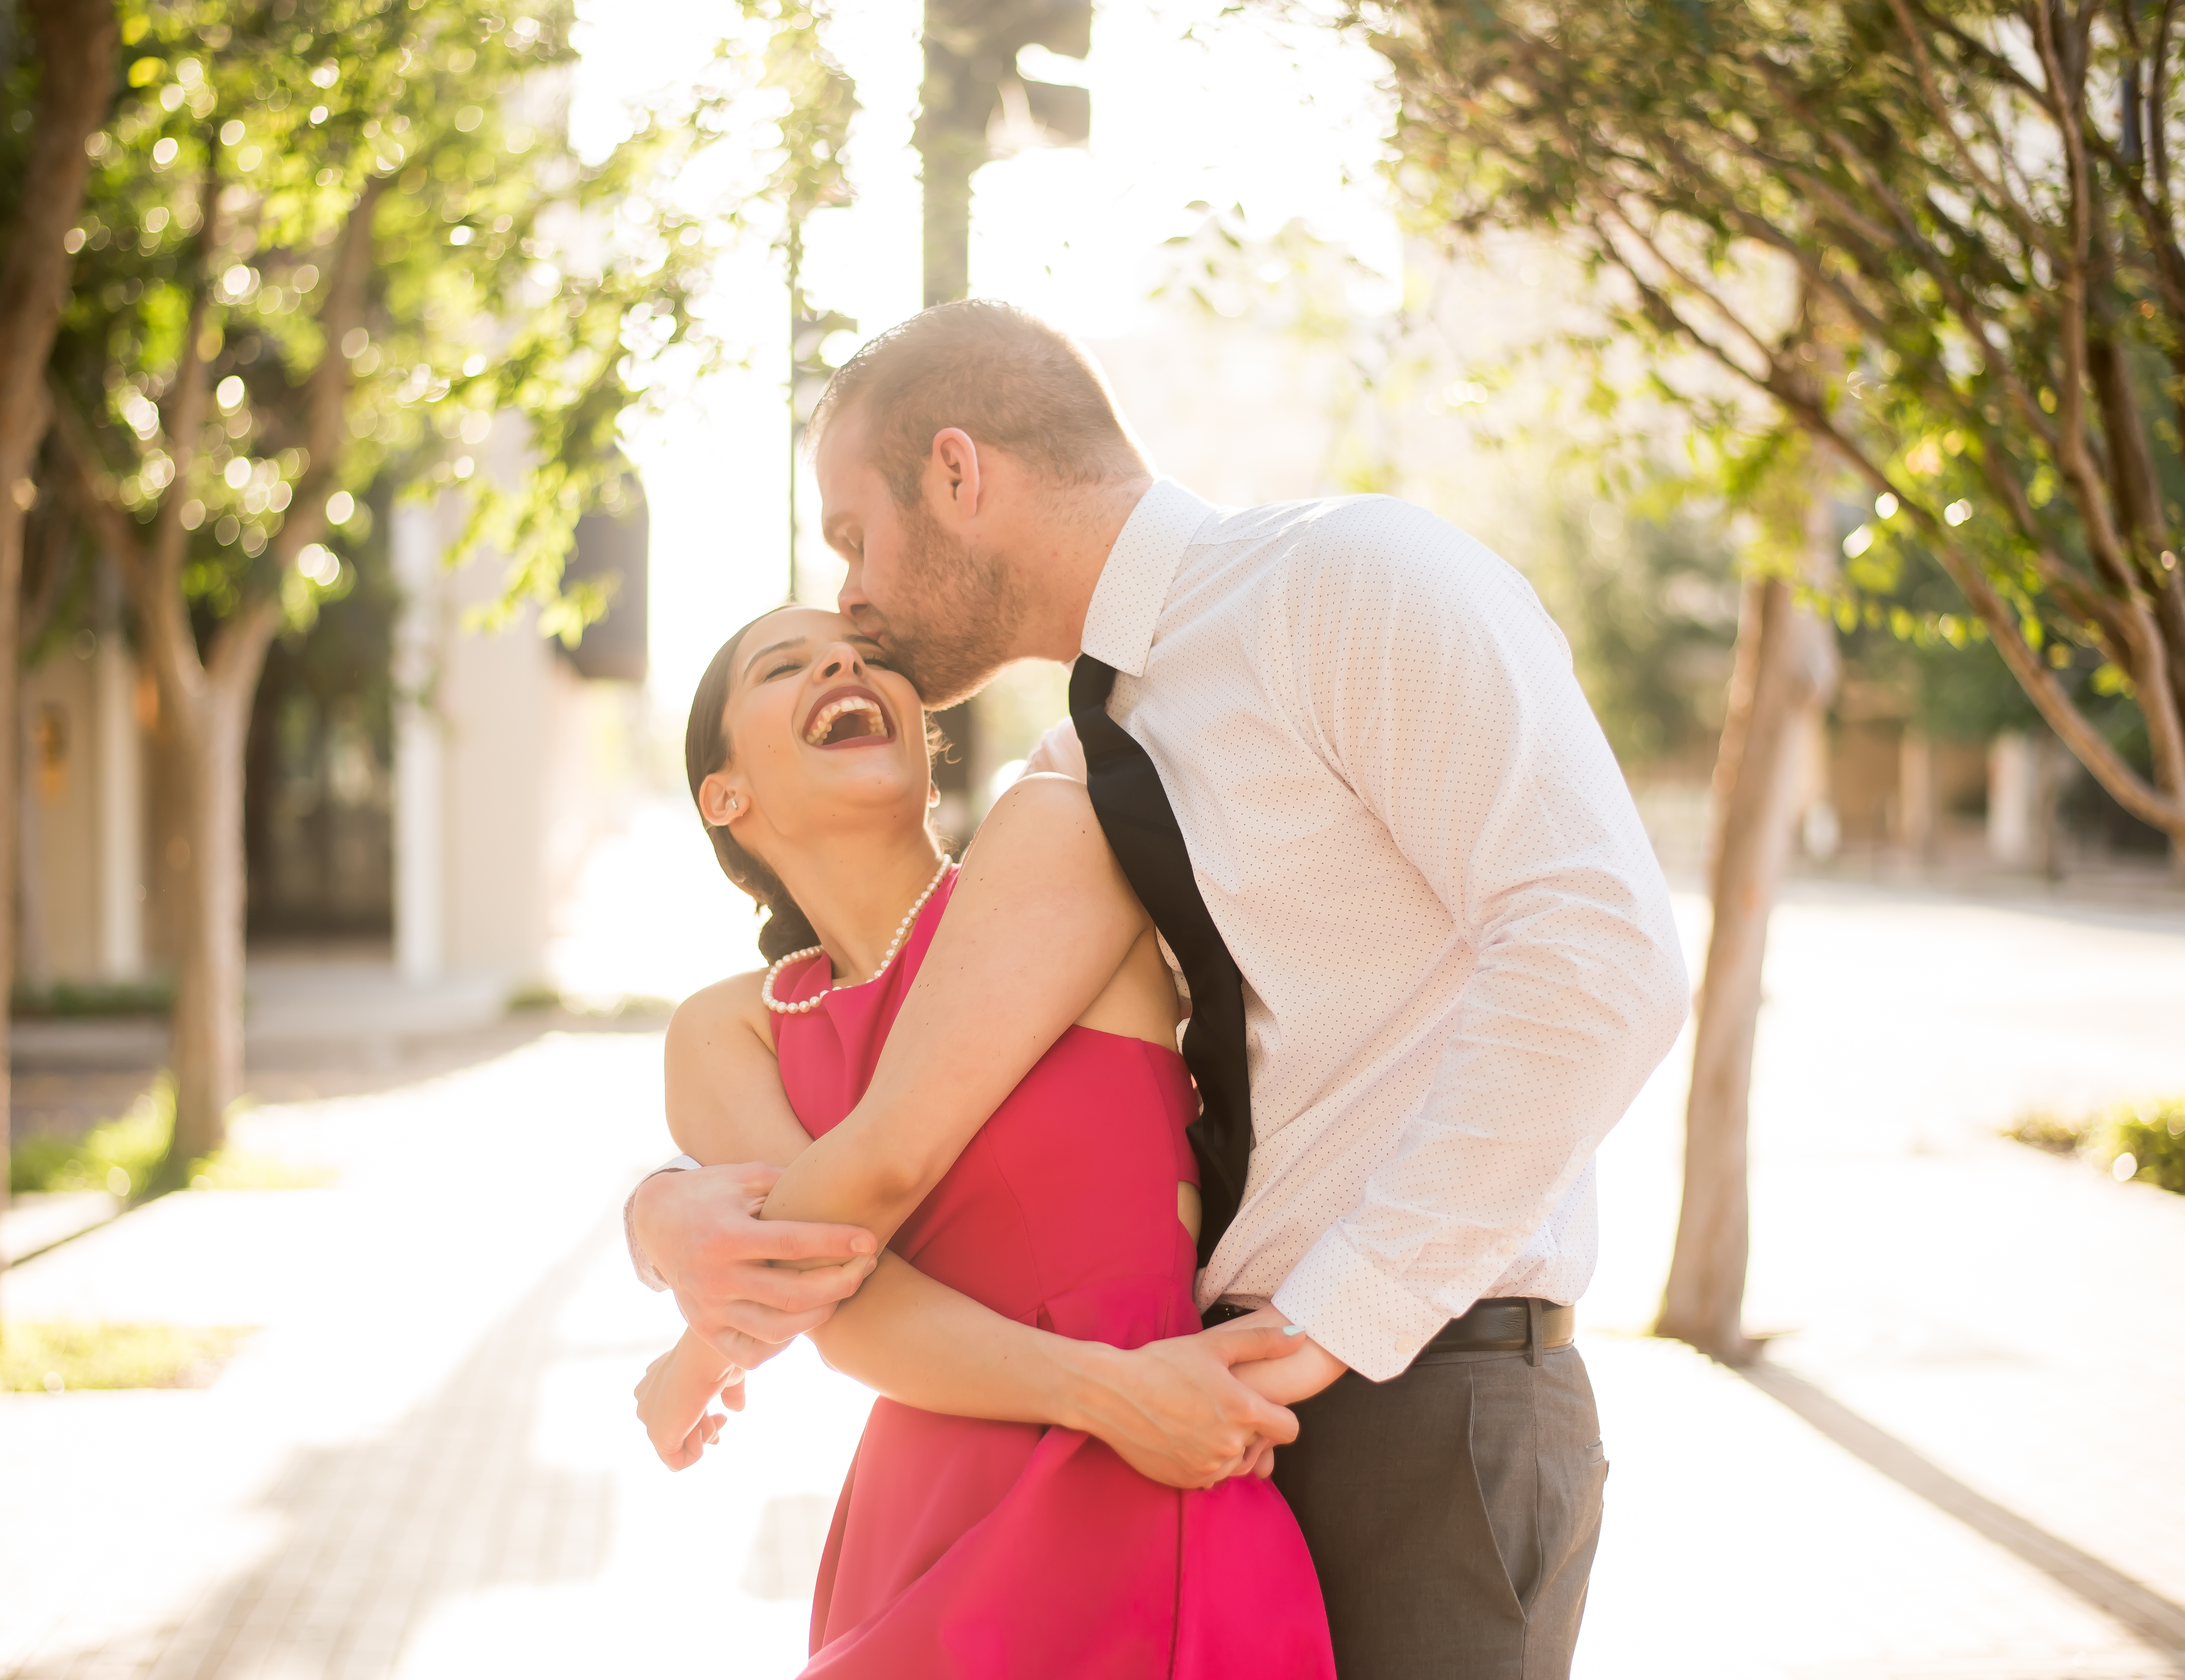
(1298, 1373)
(674, 1393)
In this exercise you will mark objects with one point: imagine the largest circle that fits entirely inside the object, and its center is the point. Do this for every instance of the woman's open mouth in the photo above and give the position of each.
(848, 717)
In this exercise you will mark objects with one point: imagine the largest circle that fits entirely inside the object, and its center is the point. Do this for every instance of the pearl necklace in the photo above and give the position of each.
(901, 931)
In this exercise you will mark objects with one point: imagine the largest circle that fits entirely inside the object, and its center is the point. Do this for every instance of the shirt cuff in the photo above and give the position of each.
(647, 1273)
(1354, 1310)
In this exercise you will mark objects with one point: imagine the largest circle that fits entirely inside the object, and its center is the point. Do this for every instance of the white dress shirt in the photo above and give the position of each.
(1458, 957)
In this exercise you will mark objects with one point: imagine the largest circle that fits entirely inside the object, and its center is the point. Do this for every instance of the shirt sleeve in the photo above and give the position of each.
(647, 1273)
(1428, 673)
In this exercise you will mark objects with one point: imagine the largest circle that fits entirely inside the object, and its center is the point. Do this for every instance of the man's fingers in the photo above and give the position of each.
(797, 1240)
(757, 1177)
(761, 1324)
(798, 1291)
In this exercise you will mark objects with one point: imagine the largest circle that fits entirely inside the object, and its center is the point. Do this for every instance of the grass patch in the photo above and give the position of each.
(2052, 1134)
(2151, 1137)
(614, 1007)
(66, 1001)
(240, 1170)
(526, 999)
(120, 1156)
(53, 1357)
(125, 1157)
(2133, 1140)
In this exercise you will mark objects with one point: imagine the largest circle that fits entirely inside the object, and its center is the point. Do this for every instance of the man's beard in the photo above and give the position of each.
(956, 614)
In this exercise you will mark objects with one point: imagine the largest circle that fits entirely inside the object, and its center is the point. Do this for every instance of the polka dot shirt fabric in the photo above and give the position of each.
(1459, 960)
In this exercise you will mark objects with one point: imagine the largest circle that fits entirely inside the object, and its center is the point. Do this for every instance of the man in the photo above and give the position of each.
(1339, 752)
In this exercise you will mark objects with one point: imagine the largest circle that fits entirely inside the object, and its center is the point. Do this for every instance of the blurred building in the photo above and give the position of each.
(419, 793)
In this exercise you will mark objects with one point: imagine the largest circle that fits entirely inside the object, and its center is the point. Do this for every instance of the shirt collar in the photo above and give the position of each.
(1139, 572)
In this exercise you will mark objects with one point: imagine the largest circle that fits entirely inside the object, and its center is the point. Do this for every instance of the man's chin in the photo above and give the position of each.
(949, 688)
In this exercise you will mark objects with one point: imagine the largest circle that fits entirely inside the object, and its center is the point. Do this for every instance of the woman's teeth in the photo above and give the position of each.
(869, 721)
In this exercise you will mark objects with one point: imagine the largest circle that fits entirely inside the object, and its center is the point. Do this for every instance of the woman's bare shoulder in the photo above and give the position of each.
(707, 1015)
(1042, 807)
(1041, 833)
(1039, 842)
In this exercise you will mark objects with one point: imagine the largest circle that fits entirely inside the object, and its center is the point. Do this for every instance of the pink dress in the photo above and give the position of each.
(1001, 1551)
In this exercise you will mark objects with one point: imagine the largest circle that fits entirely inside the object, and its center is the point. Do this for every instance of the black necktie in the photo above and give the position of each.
(1135, 814)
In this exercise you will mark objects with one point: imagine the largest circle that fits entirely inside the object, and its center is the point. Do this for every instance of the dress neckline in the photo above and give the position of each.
(798, 979)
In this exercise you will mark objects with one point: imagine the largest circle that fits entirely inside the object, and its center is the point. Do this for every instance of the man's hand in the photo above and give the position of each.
(700, 1230)
(1174, 1410)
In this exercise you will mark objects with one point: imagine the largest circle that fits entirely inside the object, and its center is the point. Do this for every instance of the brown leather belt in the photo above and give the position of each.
(1521, 1324)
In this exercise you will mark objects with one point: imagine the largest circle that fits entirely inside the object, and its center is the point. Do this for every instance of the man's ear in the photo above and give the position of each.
(953, 475)
(723, 800)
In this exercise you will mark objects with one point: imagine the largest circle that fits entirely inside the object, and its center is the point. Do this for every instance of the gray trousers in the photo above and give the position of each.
(1452, 1513)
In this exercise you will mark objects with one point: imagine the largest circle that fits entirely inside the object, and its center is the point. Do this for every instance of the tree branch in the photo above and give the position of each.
(325, 423)
(1938, 108)
(189, 395)
(88, 487)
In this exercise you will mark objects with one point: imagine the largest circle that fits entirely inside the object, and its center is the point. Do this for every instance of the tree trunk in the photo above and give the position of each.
(1786, 669)
(205, 862)
(75, 41)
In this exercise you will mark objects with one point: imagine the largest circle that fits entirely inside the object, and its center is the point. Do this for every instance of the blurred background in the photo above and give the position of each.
(423, 411)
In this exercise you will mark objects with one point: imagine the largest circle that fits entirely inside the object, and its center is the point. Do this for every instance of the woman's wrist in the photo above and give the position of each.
(699, 1357)
(1086, 1378)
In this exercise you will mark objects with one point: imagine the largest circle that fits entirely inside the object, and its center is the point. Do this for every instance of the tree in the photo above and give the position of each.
(1977, 199)
(1983, 195)
(42, 165)
(322, 245)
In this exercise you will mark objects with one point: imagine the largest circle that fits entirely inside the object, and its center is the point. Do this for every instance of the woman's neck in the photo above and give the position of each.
(854, 889)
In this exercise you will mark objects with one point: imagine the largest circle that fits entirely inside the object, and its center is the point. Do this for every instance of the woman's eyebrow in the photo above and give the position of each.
(793, 642)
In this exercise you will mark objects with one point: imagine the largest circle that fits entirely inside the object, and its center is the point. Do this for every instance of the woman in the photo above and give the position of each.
(963, 1545)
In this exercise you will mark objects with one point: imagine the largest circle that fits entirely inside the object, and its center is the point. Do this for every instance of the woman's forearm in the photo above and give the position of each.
(920, 1342)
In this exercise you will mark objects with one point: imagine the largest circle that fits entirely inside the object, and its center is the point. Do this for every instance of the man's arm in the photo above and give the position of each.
(1529, 838)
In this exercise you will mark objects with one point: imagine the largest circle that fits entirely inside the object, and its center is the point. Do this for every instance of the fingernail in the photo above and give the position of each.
(1293, 1330)
(860, 1245)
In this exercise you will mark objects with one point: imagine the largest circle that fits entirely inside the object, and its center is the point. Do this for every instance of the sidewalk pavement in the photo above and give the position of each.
(1962, 1458)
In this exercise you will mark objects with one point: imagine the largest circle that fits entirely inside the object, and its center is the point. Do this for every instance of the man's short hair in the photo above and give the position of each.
(1005, 378)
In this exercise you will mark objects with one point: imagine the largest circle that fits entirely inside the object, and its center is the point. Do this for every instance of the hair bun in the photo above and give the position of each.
(785, 930)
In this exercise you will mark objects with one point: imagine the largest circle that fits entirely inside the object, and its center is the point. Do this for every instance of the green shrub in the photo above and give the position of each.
(57, 1357)
(2149, 1135)
(2143, 1141)
(68, 1001)
(124, 1157)
(120, 1156)
(2051, 1133)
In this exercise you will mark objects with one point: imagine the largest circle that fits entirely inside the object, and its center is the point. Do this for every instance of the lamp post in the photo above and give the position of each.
(975, 105)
